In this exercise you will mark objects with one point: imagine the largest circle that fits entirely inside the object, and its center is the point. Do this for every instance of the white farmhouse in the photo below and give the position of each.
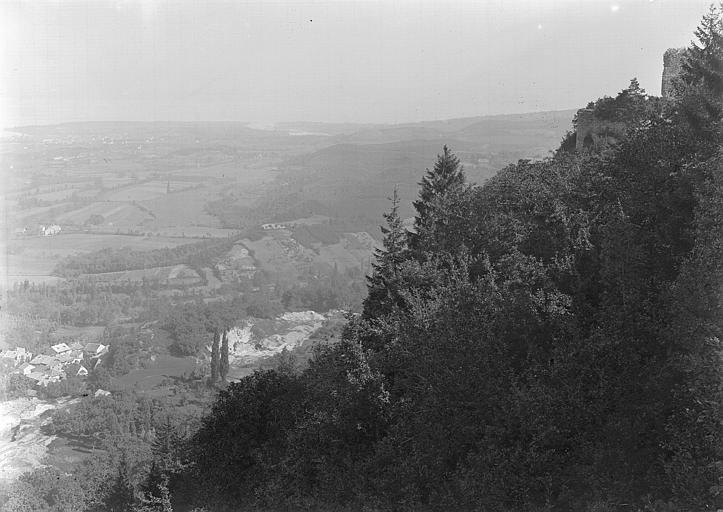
(52, 229)
(25, 369)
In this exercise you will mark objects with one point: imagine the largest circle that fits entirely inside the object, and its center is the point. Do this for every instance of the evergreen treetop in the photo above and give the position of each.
(447, 176)
(441, 207)
(388, 258)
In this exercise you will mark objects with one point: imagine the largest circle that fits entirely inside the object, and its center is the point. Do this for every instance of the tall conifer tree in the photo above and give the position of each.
(442, 193)
(381, 283)
(703, 77)
(703, 61)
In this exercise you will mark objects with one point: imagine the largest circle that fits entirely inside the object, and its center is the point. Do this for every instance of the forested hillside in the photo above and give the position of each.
(549, 340)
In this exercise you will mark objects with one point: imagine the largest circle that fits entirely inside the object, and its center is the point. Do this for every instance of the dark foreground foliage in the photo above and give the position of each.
(550, 340)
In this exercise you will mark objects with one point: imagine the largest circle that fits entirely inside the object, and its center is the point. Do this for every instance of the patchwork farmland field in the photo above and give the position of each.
(280, 254)
(189, 233)
(34, 258)
(40, 214)
(119, 215)
(57, 195)
(147, 190)
(182, 209)
(83, 242)
(174, 275)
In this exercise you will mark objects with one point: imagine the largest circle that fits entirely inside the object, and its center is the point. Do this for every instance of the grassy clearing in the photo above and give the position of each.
(89, 334)
(66, 452)
(159, 370)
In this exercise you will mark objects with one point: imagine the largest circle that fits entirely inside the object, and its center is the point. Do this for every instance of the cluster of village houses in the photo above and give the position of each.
(43, 230)
(72, 360)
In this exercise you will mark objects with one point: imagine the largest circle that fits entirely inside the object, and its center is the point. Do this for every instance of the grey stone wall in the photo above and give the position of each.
(672, 66)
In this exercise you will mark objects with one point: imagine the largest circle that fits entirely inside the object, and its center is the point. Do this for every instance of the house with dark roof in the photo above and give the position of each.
(45, 360)
(95, 349)
(76, 370)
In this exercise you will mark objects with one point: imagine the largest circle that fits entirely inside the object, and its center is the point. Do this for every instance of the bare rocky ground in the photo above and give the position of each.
(254, 342)
(258, 339)
(23, 445)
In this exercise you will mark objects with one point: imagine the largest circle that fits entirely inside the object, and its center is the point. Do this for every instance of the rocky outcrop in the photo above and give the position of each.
(257, 339)
(672, 66)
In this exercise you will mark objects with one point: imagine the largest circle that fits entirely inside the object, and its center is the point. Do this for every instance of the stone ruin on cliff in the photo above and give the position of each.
(593, 131)
(672, 66)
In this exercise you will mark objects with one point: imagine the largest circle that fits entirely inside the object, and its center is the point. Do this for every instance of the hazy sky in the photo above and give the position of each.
(348, 61)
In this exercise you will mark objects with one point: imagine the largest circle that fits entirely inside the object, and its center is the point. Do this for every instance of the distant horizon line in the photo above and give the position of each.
(276, 123)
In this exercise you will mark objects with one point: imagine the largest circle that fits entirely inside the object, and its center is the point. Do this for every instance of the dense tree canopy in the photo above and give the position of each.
(549, 340)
